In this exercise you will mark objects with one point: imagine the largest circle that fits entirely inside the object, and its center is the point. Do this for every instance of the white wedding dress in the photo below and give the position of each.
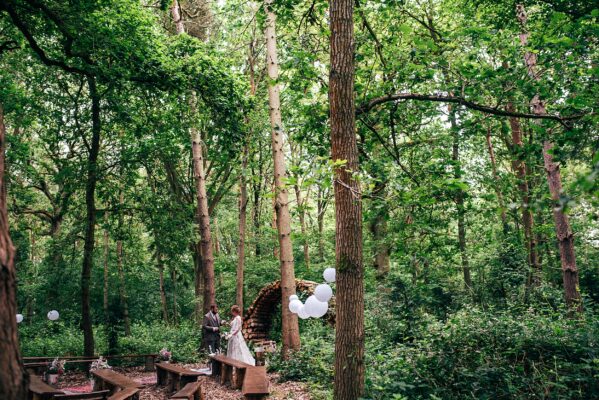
(237, 349)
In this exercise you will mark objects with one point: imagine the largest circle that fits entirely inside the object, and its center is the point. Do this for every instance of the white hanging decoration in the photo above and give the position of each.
(315, 308)
(329, 275)
(19, 318)
(293, 297)
(302, 313)
(323, 292)
(295, 305)
(53, 315)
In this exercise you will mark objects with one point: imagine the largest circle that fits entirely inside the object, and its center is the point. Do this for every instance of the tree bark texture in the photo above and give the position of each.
(349, 338)
(290, 328)
(519, 166)
(121, 271)
(500, 199)
(90, 227)
(459, 199)
(564, 234)
(13, 380)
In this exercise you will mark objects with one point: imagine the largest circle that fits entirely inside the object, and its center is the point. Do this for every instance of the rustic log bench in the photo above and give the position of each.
(230, 370)
(175, 376)
(149, 359)
(255, 384)
(114, 382)
(39, 390)
(130, 393)
(191, 391)
(97, 395)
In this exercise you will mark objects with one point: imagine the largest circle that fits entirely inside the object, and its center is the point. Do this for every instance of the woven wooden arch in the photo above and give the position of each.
(258, 318)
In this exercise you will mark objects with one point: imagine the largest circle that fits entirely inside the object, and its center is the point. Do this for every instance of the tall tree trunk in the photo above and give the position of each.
(90, 226)
(504, 223)
(243, 201)
(174, 279)
(290, 334)
(177, 20)
(206, 265)
(321, 205)
(273, 221)
(565, 237)
(198, 281)
(301, 205)
(349, 339)
(105, 289)
(121, 271)
(459, 199)
(378, 229)
(13, 380)
(519, 166)
(204, 222)
(163, 304)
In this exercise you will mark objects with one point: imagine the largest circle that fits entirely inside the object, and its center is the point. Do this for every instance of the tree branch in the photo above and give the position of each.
(442, 98)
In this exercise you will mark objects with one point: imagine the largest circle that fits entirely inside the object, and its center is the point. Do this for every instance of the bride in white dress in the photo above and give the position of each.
(237, 349)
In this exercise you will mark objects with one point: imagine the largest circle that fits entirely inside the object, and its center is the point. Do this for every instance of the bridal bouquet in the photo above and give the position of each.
(224, 334)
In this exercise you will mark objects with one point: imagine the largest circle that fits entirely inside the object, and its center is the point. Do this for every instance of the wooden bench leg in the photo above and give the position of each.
(226, 373)
(237, 381)
(160, 377)
(150, 363)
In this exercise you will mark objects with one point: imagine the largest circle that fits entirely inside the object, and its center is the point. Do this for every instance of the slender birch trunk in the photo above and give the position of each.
(290, 334)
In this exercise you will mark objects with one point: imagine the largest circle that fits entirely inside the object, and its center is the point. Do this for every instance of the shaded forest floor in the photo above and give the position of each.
(75, 381)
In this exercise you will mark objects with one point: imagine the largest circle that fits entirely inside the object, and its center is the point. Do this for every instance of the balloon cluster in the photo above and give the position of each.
(316, 305)
(52, 316)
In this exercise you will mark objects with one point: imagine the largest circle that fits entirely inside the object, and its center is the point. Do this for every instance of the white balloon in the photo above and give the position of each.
(19, 318)
(323, 292)
(293, 297)
(295, 305)
(315, 308)
(329, 274)
(302, 313)
(53, 315)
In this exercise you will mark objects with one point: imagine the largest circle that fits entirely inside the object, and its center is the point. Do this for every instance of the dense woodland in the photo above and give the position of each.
(157, 157)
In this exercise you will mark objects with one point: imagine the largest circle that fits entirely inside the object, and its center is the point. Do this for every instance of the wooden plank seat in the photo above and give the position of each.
(149, 359)
(255, 384)
(191, 391)
(97, 395)
(113, 381)
(175, 376)
(40, 390)
(130, 393)
(230, 370)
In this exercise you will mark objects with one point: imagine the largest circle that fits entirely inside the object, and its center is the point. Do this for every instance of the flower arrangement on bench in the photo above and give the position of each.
(165, 356)
(55, 369)
(100, 363)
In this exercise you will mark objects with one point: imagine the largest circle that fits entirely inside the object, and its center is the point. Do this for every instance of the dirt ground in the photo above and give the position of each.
(78, 382)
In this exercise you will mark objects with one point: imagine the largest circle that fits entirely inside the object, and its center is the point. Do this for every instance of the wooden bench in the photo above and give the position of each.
(191, 391)
(230, 370)
(175, 376)
(130, 393)
(98, 395)
(114, 382)
(39, 390)
(149, 359)
(255, 384)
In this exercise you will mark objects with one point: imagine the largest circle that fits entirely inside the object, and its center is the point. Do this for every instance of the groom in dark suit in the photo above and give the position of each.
(211, 329)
